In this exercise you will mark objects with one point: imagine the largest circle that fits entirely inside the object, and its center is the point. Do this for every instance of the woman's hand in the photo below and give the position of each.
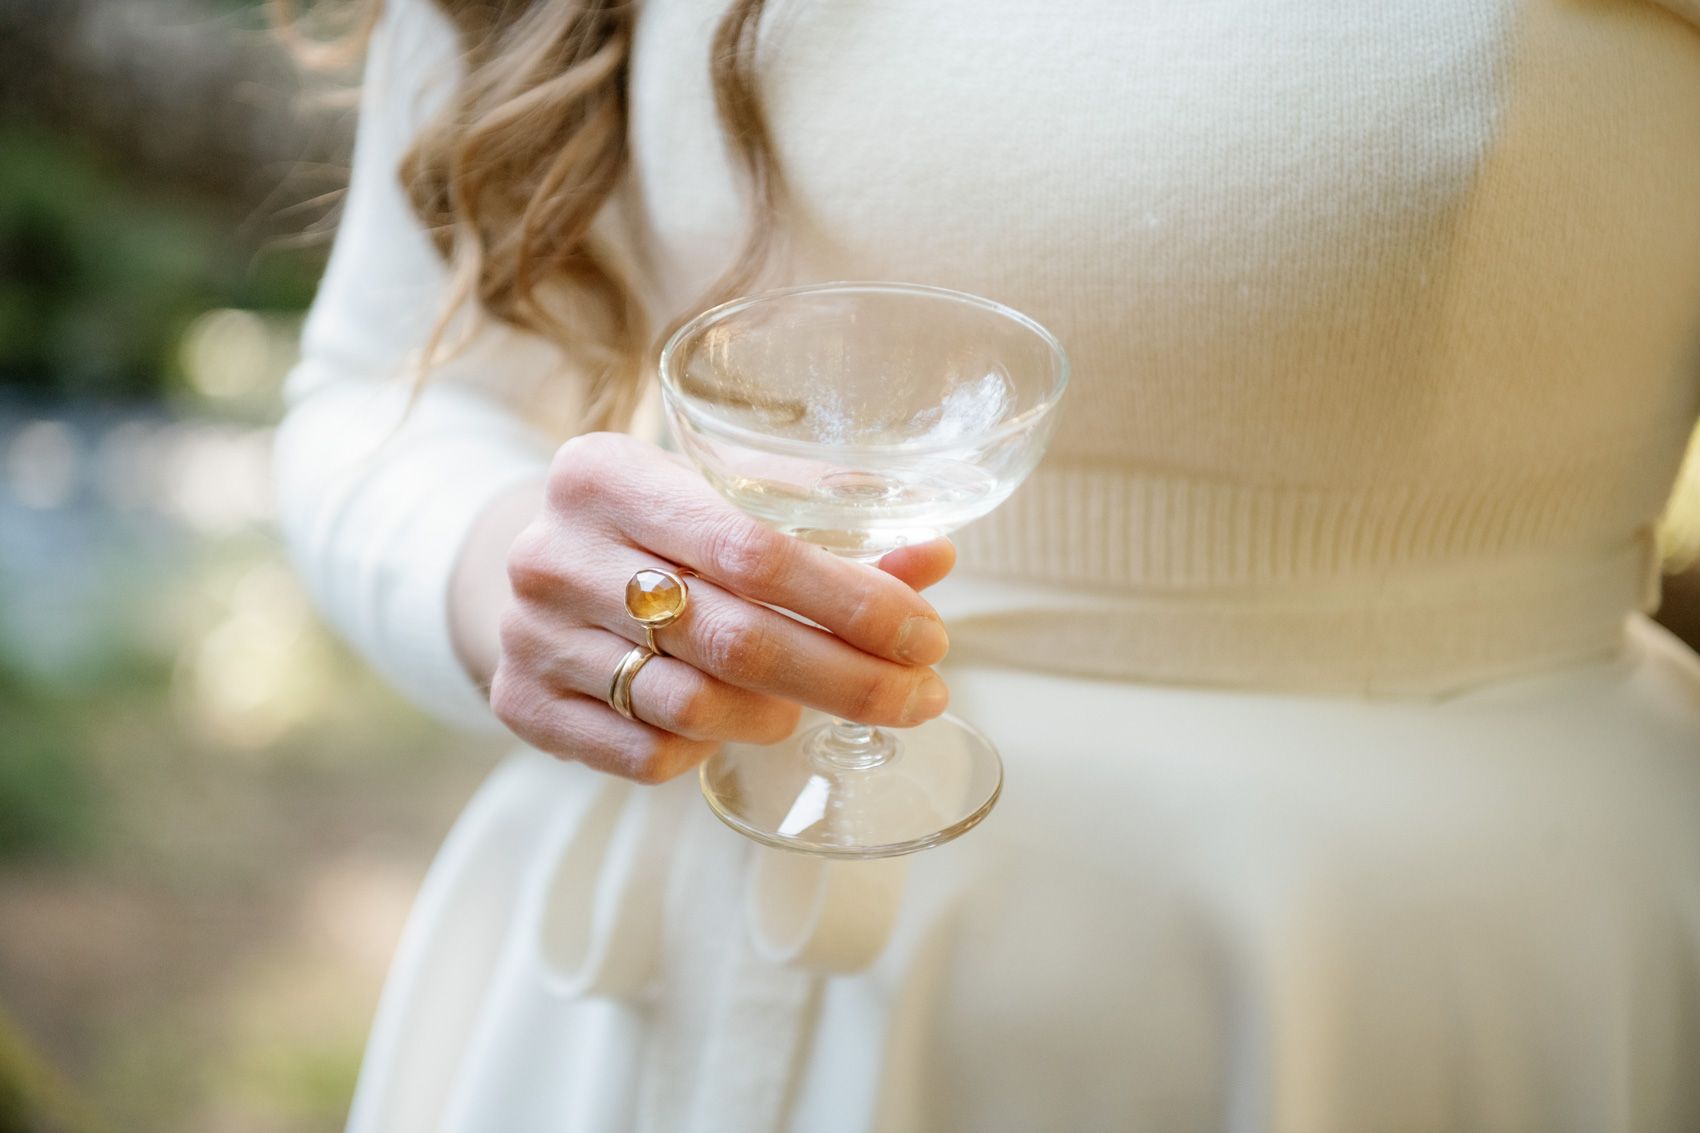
(731, 669)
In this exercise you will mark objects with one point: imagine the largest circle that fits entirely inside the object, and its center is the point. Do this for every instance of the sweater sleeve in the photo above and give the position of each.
(374, 498)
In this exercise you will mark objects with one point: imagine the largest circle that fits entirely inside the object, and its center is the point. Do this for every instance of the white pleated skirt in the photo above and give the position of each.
(1191, 910)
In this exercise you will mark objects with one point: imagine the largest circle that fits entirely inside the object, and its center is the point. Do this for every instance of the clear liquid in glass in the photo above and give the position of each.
(972, 453)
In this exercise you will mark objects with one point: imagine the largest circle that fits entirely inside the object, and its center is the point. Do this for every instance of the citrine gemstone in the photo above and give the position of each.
(655, 597)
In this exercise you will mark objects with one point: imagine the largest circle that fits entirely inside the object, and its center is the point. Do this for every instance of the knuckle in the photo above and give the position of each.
(568, 475)
(735, 646)
(514, 634)
(586, 449)
(869, 617)
(747, 555)
(511, 697)
(691, 709)
(531, 563)
(875, 699)
(576, 470)
(657, 759)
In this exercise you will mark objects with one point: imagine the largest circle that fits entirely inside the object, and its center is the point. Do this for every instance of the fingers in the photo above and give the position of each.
(667, 693)
(587, 730)
(921, 565)
(668, 509)
(738, 670)
(754, 648)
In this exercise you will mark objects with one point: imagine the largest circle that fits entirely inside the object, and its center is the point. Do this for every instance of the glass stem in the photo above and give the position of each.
(845, 746)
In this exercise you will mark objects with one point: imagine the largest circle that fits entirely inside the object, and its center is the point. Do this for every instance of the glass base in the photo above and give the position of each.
(855, 792)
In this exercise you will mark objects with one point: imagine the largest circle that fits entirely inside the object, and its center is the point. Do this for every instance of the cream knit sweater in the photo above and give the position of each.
(1385, 319)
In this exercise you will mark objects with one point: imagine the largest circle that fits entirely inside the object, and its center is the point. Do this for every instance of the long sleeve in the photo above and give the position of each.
(374, 502)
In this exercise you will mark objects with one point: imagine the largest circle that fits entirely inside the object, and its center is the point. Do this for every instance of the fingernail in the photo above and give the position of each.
(922, 641)
(927, 701)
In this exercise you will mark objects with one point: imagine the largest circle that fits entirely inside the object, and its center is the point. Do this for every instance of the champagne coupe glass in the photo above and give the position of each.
(862, 417)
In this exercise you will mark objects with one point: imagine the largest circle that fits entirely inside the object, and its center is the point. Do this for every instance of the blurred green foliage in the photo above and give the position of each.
(50, 796)
(44, 794)
(99, 274)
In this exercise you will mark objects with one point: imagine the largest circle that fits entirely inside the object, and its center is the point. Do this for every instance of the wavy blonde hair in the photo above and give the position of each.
(509, 178)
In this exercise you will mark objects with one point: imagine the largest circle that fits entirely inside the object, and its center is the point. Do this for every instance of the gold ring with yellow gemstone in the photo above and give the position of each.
(656, 598)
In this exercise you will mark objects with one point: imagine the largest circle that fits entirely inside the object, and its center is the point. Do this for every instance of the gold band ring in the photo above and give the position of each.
(620, 688)
(656, 598)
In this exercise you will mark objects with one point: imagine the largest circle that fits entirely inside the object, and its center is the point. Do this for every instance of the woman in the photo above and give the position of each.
(1348, 786)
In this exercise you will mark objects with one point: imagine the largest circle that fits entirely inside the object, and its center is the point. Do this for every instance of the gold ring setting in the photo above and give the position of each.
(620, 688)
(654, 599)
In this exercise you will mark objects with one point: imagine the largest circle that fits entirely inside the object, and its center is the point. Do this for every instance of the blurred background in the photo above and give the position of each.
(212, 819)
